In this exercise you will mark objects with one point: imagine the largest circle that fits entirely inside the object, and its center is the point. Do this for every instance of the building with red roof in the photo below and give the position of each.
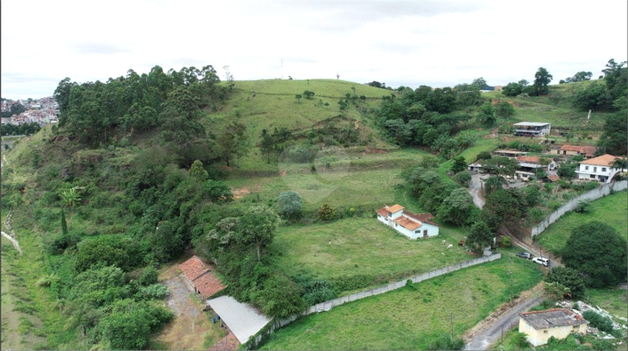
(410, 224)
(200, 277)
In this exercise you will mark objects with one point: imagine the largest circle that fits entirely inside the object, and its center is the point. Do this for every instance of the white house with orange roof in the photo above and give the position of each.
(412, 225)
(599, 168)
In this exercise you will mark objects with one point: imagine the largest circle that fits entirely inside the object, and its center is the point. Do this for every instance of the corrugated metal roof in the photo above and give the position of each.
(241, 318)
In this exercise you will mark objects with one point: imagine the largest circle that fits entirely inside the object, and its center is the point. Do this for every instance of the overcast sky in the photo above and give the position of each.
(410, 43)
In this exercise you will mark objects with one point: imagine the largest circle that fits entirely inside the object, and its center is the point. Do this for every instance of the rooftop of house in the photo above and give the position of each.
(529, 159)
(395, 208)
(407, 223)
(587, 150)
(193, 268)
(555, 317)
(530, 124)
(604, 160)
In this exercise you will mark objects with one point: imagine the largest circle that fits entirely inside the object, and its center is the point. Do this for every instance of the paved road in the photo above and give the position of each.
(504, 323)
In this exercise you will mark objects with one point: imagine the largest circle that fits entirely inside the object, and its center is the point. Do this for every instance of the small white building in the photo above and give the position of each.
(412, 225)
(599, 168)
(539, 326)
(532, 129)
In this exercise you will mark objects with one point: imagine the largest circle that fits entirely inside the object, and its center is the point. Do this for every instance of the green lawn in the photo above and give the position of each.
(410, 318)
(363, 246)
(611, 209)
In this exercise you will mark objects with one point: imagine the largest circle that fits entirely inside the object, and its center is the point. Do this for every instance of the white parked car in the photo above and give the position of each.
(542, 261)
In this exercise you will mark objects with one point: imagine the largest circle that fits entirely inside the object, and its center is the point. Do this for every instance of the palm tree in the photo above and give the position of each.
(70, 197)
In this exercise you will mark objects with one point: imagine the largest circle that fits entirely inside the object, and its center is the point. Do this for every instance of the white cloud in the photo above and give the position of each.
(436, 43)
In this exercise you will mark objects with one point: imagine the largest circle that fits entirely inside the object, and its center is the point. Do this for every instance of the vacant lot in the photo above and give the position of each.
(411, 318)
(363, 246)
(610, 209)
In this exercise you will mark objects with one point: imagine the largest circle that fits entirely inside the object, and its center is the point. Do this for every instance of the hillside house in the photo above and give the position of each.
(509, 153)
(573, 150)
(599, 168)
(539, 326)
(200, 277)
(532, 129)
(531, 163)
(412, 225)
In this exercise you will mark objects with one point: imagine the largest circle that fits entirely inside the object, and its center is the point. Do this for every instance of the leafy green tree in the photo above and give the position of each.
(463, 178)
(280, 297)
(197, 172)
(614, 138)
(131, 323)
(596, 250)
(457, 207)
(615, 78)
(501, 208)
(308, 94)
(512, 89)
(289, 204)
(569, 278)
(480, 83)
(97, 252)
(258, 226)
(267, 146)
(566, 172)
(486, 114)
(459, 165)
(593, 97)
(233, 141)
(180, 117)
(167, 240)
(298, 97)
(504, 110)
(542, 78)
(70, 197)
(500, 165)
(467, 94)
(216, 191)
(479, 237)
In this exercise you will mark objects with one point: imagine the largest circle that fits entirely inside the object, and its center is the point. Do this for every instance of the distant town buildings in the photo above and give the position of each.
(42, 111)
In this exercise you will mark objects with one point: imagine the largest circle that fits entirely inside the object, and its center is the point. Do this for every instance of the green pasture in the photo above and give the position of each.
(363, 246)
(411, 318)
(611, 209)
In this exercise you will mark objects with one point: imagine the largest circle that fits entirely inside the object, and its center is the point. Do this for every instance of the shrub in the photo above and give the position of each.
(598, 321)
(325, 213)
(520, 340)
(149, 276)
(602, 344)
(62, 243)
(506, 241)
(583, 207)
(463, 178)
(445, 343)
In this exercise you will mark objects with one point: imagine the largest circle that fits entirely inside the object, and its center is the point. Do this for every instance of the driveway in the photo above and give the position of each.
(502, 324)
(180, 299)
(475, 189)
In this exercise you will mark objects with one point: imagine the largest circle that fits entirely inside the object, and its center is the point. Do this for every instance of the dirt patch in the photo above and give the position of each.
(191, 328)
(228, 343)
(240, 192)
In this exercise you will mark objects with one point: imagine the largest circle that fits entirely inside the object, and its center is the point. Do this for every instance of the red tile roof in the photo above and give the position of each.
(407, 223)
(208, 284)
(395, 208)
(383, 212)
(586, 150)
(193, 268)
(202, 276)
(421, 217)
(604, 160)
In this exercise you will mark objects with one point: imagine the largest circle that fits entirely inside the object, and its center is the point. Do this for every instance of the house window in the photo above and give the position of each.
(594, 169)
(395, 225)
(586, 168)
(603, 169)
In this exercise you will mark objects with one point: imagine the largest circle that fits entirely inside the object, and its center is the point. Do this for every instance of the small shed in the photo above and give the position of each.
(242, 319)
(200, 277)
(539, 326)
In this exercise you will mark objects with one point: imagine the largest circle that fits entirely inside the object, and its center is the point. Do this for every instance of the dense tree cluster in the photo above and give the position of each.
(540, 86)
(578, 77)
(95, 112)
(20, 129)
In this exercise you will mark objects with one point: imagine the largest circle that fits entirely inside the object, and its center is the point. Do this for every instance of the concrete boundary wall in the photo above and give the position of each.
(258, 339)
(594, 194)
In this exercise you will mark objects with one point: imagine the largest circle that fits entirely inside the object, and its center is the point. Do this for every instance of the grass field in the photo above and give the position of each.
(611, 209)
(366, 180)
(363, 246)
(266, 104)
(410, 318)
(612, 300)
